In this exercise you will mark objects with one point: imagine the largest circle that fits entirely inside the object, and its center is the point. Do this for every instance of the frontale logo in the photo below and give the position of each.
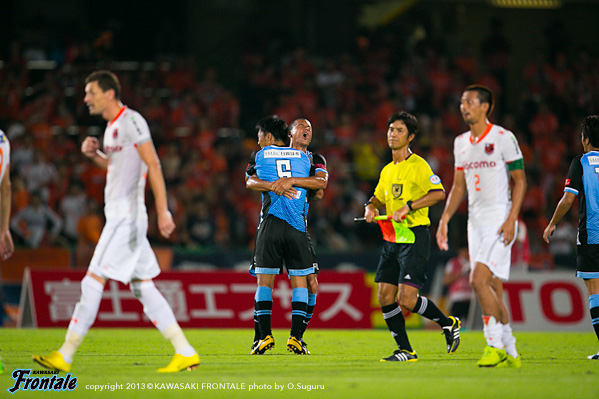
(24, 381)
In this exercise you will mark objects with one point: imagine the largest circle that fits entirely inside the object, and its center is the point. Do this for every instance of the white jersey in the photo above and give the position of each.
(484, 163)
(4, 154)
(126, 176)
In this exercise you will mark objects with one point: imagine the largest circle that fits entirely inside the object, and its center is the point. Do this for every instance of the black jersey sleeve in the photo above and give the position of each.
(574, 181)
(250, 170)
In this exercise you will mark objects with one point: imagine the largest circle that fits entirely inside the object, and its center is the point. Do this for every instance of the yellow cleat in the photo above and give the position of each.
(53, 361)
(491, 357)
(263, 345)
(295, 345)
(510, 362)
(180, 363)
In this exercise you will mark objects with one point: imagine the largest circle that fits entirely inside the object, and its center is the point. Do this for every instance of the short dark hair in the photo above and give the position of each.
(408, 119)
(485, 95)
(590, 129)
(107, 81)
(274, 125)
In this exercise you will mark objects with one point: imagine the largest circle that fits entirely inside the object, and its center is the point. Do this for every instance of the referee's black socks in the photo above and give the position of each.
(428, 309)
(397, 325)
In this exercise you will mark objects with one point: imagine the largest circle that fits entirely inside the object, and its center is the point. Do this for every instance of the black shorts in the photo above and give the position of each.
(314, 260)
(587, 261)
(278, 243)
(405, 263)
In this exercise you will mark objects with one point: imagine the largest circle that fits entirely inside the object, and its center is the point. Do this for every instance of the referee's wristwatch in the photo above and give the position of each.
(409, 204)
(367, 203)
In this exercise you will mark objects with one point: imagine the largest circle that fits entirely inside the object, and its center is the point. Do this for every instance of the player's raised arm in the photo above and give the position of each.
(147, 152)
(91, 149)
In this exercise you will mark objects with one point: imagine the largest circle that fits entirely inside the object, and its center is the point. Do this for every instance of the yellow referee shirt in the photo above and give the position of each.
(407, 181)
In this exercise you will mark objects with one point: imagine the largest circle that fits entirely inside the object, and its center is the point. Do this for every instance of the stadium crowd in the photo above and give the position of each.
(203, 131)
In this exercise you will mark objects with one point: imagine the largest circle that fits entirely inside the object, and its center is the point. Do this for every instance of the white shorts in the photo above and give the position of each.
(123, 252)
(486, 246)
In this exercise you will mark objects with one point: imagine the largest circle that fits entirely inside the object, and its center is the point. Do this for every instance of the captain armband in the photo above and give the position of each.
(517, 164)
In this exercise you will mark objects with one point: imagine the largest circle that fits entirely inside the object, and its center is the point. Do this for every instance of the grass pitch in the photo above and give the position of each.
(343, 364)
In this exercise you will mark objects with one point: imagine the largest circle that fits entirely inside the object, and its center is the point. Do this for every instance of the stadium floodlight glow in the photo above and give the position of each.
(527, 3)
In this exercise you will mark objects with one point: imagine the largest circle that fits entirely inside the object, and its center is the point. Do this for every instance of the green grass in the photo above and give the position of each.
(345, 362)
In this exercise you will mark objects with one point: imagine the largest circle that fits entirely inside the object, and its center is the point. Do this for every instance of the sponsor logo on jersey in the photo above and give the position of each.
(396, 190)
(479, 165)
(282, 154)
(489, 148)
(115, 133)
(435, 179)
(594, 160)
(109, 149)
(2, 138)
(567, 182)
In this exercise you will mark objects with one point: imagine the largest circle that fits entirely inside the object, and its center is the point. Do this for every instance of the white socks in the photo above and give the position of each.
(161, 315)
(493, 331)
(83, 317)
(509, 340)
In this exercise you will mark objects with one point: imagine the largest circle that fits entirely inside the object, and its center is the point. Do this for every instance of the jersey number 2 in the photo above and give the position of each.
(283, 168)
(477, 178)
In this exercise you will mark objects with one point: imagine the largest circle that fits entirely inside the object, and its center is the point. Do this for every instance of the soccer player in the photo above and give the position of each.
(582, 182)
(300, 132)
(7, 246)
(282, 235)
(486, 157)
(123, 252)
(406, 189)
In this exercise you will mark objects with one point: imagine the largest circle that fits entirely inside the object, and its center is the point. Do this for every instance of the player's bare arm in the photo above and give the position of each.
(508, 229)
(455, 197)
(91, 149)
(317, 182)
(7, 246)
(147, 152)
(256, 184)
(429, 199)
(562, 208)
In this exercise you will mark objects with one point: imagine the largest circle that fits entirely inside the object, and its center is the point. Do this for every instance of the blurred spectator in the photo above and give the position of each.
(521, 249)
(456, 280)
(31, 223)
(89, 228)
(72, 207)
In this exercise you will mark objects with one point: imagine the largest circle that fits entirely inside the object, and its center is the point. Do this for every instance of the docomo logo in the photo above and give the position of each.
(479, 165)
(546, 300)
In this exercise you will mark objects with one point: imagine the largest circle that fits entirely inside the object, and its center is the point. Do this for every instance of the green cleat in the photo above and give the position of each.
(53, 361)
(401, 355)
(510, 362)
(263, 345)
(452, 335)
(491, 357)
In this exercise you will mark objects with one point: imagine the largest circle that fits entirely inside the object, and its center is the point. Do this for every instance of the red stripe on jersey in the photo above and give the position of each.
(117, 115)
(459, 168)
(487, 130)
(321, 166)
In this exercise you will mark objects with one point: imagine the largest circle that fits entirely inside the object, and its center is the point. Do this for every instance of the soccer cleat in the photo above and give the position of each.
(263, 345)
(491, 357)
(53, 361)
(180, 363)
(401, 355)
(452, 335)
(510, 362)
(305, 346)
(295, 345)
(254, 346)
(594, 357)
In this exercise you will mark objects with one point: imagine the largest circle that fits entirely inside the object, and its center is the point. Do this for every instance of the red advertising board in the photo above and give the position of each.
(198, 299)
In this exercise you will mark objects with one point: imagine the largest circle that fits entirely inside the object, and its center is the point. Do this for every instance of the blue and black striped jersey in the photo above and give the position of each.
(583, 181)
